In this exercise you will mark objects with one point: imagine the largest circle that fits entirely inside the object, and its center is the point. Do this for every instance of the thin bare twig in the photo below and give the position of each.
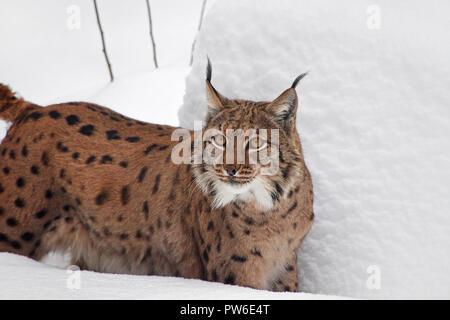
(151, 33)
(103, 42)
(199, 27)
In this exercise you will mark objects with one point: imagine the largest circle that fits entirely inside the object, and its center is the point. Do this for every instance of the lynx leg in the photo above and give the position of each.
(23, 222)
(288, 280)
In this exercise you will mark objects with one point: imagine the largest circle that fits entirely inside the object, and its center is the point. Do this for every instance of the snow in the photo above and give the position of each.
(23, 278)
(374, 119)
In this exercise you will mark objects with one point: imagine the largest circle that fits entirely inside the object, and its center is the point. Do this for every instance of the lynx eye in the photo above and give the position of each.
(219, 140)
(257, 143)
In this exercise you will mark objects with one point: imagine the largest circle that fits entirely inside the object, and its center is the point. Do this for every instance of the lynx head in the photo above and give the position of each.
(251, 150)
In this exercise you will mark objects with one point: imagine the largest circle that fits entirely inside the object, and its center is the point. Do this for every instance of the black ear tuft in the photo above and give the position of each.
(208, 70)
(297, 80)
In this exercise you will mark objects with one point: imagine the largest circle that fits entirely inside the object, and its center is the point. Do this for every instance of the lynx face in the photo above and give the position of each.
(252, 148)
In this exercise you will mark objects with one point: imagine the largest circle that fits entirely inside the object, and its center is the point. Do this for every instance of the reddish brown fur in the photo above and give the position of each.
(130, 209)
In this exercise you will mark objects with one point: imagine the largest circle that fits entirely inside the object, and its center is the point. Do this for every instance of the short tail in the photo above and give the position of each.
(11, 107)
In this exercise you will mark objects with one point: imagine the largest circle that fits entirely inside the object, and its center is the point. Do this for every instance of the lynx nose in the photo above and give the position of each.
(231, 169)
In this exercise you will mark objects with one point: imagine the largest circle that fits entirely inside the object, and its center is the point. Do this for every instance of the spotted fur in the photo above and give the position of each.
(81, 177)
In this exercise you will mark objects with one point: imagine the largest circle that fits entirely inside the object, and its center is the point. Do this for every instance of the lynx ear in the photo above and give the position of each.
(284, 108)
(216, 102)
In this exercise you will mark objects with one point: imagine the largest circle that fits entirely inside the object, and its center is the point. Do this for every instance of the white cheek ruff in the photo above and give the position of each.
(258, 190)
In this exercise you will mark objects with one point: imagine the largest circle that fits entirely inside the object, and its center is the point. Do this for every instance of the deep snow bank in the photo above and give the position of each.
(374, 119)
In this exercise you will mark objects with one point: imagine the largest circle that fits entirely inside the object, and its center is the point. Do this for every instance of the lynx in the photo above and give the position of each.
(80, 177)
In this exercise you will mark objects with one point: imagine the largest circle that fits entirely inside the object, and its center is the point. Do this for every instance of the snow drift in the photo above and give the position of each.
(23, 278)
(374, 119)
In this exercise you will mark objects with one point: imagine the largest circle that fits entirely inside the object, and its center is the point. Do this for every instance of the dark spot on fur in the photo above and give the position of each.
(142, 174)
(27, 236)
(145, 209)
(294, 205)
(19, 202)
(132, 139)
(12, 222)
(75, 155)
(125, 195)
(91, 159)
(159, 223)
(61, 147)
(112, 135)
(106, 159)
(44, 158)
(229, 279)
(123, 164)
(256, 252)
(68, 219)
(249, 220)
(163, 147)
(20, 182)
(87, 130)
(16, 244)
(238, 258)
(35, 115)
(48, 194)
(34, 170)
(24, 151)
(123, 236)
(148, 254)
(12, 154)
(156, 185)
(210, 226)
(72, 119)
(150, 148)
(6, 170)
(100, 198)
(40, 214)
(3, 237)
(291, 208)
(205, 255)
(54, 114)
